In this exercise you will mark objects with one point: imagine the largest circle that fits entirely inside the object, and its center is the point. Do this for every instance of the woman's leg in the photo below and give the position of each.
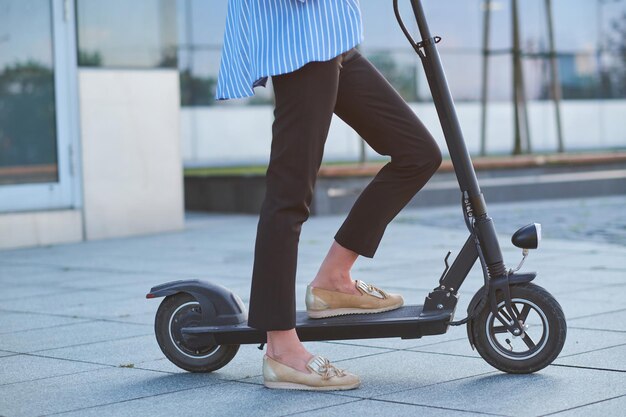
(305, 100)
(370, 105)
(334, 273)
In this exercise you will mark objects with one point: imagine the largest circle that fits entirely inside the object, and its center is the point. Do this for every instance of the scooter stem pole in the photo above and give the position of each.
(461, 160)
(444, 104)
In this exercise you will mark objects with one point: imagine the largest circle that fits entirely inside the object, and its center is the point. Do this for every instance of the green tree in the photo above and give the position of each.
(196, 91)
(89, 59)
(403, 78)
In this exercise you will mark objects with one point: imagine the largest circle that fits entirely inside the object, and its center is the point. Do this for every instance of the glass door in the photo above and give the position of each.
(38, 114)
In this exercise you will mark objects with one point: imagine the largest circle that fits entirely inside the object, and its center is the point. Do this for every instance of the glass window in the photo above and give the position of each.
(399, 67)
(201, 31)
(122, 33)
(198, 76)
(589, 35)
(28, 140)
(612, 48)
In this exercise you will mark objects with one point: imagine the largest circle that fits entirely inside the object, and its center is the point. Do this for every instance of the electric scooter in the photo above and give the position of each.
(515, 325)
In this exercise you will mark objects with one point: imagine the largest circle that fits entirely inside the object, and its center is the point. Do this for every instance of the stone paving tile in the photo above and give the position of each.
(61, 277)
(17, 322)
(574, 307)
(589, 261)
(57, 303)
(230, 398)
(88, 389)
(142, 261)
(20, 368)
(577, 341)
(596, 219)
(615, 321)
(378, 408)
(139, 290)
(401, 370)
(564, 288)
(103, 280)
(607, 408)
(249, 360)
(612, 358)
(550, 390)
(127, 351)
(613, 294)
(455, 333)
(108, 280)
(76, 334)
(139, 318)
(10, 272)
(16, 292)
(118, 308)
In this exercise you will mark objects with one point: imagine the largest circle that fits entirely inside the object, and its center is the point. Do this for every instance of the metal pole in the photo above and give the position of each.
(442, 98)
(517, 142)
(485, 78)
(522, 130)
(524, 109)
(190, 89)
(483, 226)
(362, 155)
(554, 81)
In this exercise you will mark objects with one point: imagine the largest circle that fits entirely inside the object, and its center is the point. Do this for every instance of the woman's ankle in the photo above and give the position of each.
(286, 347)
(335, 281)
(334, 273)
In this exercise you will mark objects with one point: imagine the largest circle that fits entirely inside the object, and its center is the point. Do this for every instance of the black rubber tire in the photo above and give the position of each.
(218, 356)
(546, 354)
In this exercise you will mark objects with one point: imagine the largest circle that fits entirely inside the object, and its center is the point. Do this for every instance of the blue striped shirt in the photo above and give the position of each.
(271, 37)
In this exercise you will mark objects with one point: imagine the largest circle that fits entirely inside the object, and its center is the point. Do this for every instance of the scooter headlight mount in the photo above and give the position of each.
(527, 237)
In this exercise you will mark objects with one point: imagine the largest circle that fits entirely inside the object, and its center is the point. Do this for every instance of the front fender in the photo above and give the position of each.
(219, 305)
(514, 279)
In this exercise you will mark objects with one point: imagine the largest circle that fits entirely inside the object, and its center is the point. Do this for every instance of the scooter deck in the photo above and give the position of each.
(406, 322)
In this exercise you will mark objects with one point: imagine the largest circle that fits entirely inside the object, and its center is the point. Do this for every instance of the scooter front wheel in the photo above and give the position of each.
(543, 321)
(187, 352)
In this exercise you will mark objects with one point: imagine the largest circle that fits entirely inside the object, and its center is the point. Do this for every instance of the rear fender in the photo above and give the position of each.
(219, 305)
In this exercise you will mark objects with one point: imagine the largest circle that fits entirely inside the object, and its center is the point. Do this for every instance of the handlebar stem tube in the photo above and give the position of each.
(461, 160)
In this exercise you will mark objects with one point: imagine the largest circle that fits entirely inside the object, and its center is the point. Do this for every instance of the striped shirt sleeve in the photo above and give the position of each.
(263, 38)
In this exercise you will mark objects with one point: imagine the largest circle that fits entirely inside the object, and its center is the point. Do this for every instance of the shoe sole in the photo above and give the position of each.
(346, 311)
(293, 385)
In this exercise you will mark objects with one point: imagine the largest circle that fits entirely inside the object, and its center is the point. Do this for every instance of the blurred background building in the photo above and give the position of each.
(102, 103)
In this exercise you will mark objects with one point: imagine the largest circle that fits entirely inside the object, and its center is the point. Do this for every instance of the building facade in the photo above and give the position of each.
(590, 41)
(89, 120)
(102, 103)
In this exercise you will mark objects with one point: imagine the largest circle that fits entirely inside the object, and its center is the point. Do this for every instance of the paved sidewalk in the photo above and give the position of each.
(76, 333)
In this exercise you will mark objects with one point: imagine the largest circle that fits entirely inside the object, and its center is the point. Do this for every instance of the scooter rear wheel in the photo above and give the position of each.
(176, 312)
(541, 342)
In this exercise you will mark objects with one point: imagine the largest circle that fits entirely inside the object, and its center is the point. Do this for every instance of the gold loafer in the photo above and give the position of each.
(323, 376)
(322, 303)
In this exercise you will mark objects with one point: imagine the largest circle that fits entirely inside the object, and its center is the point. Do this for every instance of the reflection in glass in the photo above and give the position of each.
(28, 139)
(122, 33)
(590, 42)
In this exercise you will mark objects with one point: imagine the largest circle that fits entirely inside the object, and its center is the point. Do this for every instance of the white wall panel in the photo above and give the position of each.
(224, 135)
(132, 172)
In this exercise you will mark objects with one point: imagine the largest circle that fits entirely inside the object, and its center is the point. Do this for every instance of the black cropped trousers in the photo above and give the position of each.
(305, 100)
